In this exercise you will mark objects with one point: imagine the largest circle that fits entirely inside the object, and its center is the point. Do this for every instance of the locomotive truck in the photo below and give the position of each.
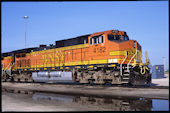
(99, 58)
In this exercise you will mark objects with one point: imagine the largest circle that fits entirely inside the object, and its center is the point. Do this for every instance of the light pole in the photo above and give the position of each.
(25, 17)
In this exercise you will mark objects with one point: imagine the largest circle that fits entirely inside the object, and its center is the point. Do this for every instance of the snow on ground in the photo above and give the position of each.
(161, 81)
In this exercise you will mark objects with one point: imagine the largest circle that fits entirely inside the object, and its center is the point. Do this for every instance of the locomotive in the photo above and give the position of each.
(99, 58)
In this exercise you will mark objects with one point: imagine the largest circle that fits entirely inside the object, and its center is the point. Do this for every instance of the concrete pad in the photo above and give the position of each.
(161, 81)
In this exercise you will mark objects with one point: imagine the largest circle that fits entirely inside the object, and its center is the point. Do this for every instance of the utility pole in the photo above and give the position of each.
(25, 17)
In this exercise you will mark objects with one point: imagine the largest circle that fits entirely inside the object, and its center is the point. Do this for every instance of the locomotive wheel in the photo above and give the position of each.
(19, 80)
(98, 77)
(91, 82)
(12, 79)
(26, 80)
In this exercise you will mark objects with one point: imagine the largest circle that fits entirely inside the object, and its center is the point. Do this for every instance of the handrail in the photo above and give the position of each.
(9, 73)
(131, 60)
(122, 63)
(12, 65)
(7, 66)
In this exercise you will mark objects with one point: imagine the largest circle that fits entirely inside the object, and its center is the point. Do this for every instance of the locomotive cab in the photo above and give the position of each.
(122, 56)
(128, 55)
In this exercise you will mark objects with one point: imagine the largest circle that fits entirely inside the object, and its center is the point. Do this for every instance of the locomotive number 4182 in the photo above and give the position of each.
(99, 50)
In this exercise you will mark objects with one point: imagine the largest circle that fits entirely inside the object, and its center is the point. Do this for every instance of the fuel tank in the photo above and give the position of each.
(53, 76)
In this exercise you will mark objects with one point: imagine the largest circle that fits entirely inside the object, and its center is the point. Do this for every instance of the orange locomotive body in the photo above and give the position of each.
(102, 57)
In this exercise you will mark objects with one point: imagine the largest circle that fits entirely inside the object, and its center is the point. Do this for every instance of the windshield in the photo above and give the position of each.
(117, 37)
(114, 37)
(125, 38)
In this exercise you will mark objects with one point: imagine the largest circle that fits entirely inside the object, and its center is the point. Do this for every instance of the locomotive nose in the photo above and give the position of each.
(136, 45)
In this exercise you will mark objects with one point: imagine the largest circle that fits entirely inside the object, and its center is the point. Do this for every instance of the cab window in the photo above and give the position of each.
(125, 38)
(91, 41)
(97, 39)
(114, 37)
(101, 39)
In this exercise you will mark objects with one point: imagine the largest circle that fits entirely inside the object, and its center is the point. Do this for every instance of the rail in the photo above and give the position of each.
(122, 63)
(131, 60)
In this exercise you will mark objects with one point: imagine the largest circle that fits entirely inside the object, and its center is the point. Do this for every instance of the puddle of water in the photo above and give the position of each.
(96, 103)
(160, 105)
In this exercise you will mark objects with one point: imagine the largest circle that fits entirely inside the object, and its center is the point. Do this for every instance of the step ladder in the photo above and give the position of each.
(126, 77)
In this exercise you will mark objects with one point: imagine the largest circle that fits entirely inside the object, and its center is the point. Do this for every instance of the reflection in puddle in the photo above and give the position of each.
(114, 104)
(49, 96)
